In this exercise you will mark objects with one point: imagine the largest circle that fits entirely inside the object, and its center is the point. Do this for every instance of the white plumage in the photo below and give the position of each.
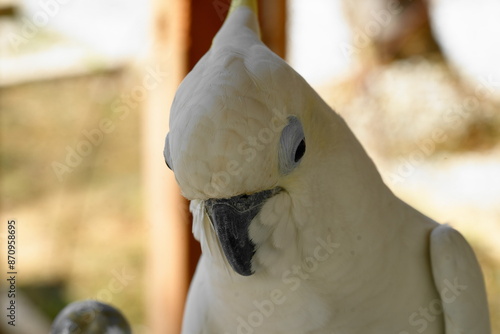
(334, 250)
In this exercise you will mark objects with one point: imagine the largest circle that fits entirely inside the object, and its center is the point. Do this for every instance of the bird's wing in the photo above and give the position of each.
(459, 281)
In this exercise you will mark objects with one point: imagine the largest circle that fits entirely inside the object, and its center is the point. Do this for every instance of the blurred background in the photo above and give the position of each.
(85, 92)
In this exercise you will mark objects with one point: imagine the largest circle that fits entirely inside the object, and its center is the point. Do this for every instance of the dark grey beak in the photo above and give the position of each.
(231, 218)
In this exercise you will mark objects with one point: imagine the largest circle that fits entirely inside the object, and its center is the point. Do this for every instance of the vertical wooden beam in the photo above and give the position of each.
(167, 268)
(272, 17)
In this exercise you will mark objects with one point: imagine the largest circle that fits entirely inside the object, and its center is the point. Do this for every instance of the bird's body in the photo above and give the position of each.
(332, 290)
(298, 231)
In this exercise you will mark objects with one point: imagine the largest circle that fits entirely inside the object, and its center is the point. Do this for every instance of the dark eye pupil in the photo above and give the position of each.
(301, 149)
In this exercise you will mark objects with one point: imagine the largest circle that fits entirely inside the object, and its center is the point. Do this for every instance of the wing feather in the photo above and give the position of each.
(460, 283)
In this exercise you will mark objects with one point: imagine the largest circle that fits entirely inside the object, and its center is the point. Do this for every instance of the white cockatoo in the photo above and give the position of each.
(298, 231)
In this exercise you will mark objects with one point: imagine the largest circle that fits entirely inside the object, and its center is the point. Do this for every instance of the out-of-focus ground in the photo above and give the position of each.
(434, 134)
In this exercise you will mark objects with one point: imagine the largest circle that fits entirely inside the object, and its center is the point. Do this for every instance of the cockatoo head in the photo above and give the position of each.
(252, 141)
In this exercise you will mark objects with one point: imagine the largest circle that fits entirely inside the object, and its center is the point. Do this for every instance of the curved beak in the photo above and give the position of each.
(231, 218)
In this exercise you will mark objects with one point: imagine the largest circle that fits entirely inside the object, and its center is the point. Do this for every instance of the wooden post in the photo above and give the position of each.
(272, 18)
(167, 267)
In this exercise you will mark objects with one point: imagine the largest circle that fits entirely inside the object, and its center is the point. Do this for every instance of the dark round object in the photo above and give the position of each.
(90, 317)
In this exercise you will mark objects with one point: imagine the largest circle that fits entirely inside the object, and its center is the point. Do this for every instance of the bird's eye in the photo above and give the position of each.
(166, 154)
(301, 149)
(292, 145)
